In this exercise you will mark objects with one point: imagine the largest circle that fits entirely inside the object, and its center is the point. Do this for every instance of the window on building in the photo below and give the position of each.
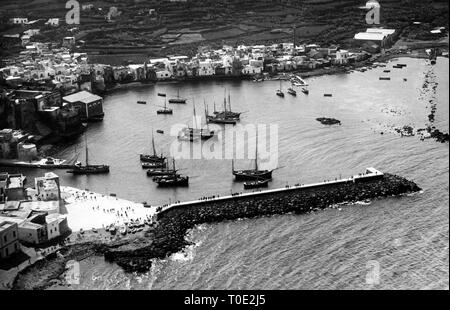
(14, 234)
(4, 238)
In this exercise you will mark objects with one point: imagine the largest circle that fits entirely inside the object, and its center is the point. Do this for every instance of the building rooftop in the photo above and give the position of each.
(82, 96)
(370, 36)
(381, 30)
(6, 224)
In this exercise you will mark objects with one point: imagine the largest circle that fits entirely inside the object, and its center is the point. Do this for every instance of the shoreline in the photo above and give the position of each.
(168, 236)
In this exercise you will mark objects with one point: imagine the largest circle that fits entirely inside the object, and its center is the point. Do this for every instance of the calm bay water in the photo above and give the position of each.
(407, 237)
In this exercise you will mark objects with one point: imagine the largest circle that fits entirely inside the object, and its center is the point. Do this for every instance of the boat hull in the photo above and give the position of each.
(152, 158)
(177, 101)
(94, 169)
(256, 184)
(251, 175)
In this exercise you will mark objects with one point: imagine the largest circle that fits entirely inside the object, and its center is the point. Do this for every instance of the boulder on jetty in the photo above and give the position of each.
(328, 121)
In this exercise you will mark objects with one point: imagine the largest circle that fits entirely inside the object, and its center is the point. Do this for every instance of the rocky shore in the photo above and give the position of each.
(168, 236)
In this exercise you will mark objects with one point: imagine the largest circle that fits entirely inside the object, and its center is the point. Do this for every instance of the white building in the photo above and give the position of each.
(54, 22)
(47, 187)
(342, 57)
(18, 20)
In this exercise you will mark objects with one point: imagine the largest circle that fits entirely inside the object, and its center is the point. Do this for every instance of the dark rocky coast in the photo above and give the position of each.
(168, 236)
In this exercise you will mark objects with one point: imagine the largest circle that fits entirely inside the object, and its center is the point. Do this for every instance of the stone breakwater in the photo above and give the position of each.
(169, 235)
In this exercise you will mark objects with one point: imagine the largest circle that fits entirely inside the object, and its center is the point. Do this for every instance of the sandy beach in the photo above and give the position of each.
(86, 210)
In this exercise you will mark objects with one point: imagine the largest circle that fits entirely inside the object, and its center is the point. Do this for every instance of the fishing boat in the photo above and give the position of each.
(223, 117)
(165, 110)
(291, 91)
(177, 99)
(305, 91)
(175, 180)
(328, 95)
(172, 180)
(88, 169)
(256, 184)
(153, 165)
(280, 91)
(252, 174)
(193, 133)
(141, 102)
(227, 112)
(154, 157)
(160, 172)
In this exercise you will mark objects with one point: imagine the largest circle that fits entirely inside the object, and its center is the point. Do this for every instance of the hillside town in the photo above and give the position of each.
(47, 88)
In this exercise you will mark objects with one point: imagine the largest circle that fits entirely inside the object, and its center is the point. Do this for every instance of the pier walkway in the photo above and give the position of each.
(369, 174)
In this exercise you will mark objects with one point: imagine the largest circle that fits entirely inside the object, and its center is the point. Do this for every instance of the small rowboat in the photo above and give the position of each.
(141, 102)
(256, 184)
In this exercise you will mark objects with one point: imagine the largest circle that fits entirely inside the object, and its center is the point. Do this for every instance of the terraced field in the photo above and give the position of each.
(197, 22)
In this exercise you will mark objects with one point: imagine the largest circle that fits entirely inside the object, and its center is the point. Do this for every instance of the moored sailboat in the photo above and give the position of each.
(252, 174)
(88, 169)
(280, 91)
(178, 99)
(154, 157)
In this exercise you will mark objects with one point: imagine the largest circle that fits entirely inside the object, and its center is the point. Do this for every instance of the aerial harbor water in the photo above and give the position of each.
(407, 238)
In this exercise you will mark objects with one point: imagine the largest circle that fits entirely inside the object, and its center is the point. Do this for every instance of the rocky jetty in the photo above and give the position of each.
(328, 121)
(169, 235)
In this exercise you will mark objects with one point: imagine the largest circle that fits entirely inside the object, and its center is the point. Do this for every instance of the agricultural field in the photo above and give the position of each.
(199, 22)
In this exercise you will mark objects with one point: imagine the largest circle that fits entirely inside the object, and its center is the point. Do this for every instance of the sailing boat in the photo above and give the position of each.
(177, 99)
(172, 179)
(252, 174)
(154, 157)
(292, 91)
(224, 117)
(165, 110)
(194, 133)
(88, 169)
(280, 92)
(161, 172)
(228, 113)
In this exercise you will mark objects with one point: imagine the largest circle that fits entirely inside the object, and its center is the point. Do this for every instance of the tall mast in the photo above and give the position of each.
(229, 101)
(195, 116)
(232, 164)
(225, 100)
(173, 162)
(206, 113)
(153, 144)
(87, 152)
(214, 107)
(256, 151)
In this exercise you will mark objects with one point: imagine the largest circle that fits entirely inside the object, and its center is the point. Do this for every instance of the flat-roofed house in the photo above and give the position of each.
(90, 106)
(379, 36)
(9, 239)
